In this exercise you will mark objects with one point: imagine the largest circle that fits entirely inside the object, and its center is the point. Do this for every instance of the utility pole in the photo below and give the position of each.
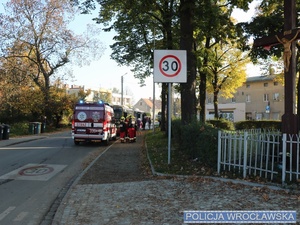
(122, 81)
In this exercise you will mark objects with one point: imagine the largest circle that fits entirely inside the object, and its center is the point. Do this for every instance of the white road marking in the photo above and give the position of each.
(40, 172)
(21, 216)
(6, 212)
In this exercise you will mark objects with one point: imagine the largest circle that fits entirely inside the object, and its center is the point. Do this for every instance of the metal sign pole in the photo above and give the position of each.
(170, 67)
(153, 110)
(169, 122)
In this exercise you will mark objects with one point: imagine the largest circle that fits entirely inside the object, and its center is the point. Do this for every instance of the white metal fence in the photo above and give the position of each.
(267, 154)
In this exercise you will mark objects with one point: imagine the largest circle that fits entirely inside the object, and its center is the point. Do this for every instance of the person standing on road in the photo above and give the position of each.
(138, 122)
(123, 129)
(144, 121)
(131, 129)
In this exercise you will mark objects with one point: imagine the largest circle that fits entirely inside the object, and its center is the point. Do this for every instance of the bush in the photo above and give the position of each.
(222, 124)
(176, 130)
(22, 128)
(198, 141)
(261, 124)
(19, 129)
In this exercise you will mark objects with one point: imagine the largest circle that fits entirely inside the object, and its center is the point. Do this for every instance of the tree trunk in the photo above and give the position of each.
(202, 95)
(168, 42)
(202, 86)
(163, 107)
(188, 97)
(298, 85)
(47, 111)
(216, 107)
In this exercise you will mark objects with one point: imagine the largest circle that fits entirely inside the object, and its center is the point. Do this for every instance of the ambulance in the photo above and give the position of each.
(93, 122)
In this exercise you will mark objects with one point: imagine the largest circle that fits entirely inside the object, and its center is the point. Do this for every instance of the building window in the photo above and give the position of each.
(259, 116)
(266, 97)
(276, 116)
(248, 98)
(209, 101)
(247, 85)
(233, 100)
(248, 116)
(276, 96)
(141, 103)
(275, 83)
(265, 84)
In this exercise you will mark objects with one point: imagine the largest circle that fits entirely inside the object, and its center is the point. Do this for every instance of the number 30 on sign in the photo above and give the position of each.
(170, 66)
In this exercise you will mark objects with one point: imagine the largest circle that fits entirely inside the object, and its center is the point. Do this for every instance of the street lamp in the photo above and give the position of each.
(122, 88)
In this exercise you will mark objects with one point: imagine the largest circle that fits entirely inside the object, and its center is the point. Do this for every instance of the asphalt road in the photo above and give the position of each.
(35, 174)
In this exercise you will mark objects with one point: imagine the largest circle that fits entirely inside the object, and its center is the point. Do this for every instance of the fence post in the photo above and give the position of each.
(283, 158)
(219, 151)
(245, 154)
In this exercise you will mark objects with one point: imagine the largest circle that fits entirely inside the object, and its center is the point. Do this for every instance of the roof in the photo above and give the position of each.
(260, 78)
(149, 102)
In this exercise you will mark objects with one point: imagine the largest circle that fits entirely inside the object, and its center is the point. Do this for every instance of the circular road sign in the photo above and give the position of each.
(170, 66)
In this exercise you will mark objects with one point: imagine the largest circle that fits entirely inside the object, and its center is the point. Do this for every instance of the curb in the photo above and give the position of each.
(60, 210)
(15, 141)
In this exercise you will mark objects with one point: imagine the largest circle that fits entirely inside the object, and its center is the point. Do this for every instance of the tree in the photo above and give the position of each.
(20, 98)
(188, 90)
(141, 27)
(102, 95)
(116, 90)
(168, 24)
(214, 25)
(227, 68)
(60, 104)
(36, 34)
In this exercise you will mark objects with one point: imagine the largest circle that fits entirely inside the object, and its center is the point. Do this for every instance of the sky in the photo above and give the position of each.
(242, 16)
(106, 73)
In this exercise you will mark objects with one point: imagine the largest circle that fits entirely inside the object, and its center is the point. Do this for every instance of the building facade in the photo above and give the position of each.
(146, 105)
(260, 98)
(116, 99)
(101, 94)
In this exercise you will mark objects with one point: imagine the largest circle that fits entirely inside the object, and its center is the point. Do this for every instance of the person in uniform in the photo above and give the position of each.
(131, 128)
(128, 127)
(123, 129)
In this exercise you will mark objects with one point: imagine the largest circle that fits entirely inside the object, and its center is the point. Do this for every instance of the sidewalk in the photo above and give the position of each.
(158, 200)
(17, 140)
(27, 138)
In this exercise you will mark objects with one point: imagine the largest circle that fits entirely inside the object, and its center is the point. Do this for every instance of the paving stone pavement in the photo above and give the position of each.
(162, 200)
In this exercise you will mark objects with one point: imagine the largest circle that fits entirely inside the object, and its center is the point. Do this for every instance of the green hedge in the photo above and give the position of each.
(222, 124)
(19, 129)
(197, 141)
(262, 124)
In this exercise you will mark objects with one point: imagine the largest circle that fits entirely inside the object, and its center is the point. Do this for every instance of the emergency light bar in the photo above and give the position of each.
(88, 102)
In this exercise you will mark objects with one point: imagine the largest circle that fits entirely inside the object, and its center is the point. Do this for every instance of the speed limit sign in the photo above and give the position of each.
(170, 66)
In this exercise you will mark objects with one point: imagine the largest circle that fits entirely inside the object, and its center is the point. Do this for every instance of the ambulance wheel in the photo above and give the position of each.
(76, 142)
(106, 142)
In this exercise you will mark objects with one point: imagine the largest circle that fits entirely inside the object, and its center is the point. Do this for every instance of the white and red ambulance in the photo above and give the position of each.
(93, 122)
